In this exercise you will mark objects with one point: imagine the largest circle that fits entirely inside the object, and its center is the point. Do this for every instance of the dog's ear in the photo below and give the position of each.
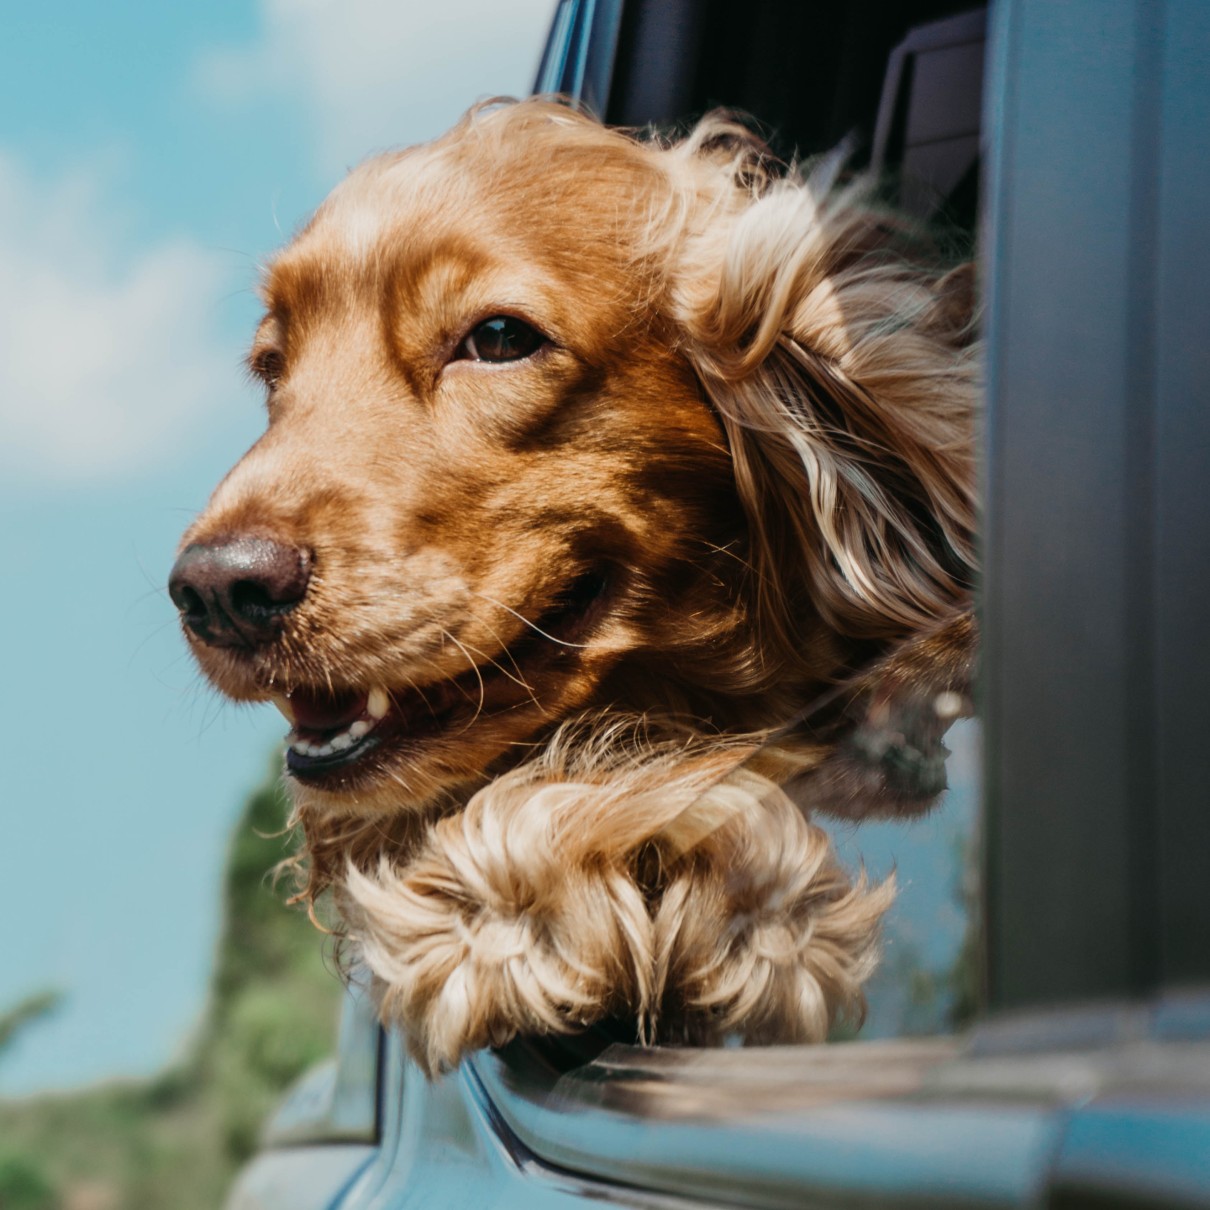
(842, 371)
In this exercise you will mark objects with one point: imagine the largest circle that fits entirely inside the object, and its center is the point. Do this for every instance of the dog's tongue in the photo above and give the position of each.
(315, 710)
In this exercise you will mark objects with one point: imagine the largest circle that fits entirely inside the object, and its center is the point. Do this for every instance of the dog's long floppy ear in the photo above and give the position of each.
(843, 373)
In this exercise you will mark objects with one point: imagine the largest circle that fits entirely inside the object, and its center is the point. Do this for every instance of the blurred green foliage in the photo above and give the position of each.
(176, 1140)
(26, 1012)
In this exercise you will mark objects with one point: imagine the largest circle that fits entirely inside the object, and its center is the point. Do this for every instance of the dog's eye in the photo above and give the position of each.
(269, 366)
(501, 338)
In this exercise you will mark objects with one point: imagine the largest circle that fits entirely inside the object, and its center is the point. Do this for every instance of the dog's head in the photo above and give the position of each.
(560, 420)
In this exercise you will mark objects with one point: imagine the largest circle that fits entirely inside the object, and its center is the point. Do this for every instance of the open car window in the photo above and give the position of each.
(1040, 1031)
(901, 89)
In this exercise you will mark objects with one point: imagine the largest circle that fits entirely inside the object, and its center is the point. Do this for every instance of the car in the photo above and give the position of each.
(1069, 138)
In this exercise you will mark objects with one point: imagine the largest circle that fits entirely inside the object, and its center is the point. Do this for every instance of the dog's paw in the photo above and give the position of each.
(499, 925)
(886, 756)
(681, 893)
(761, 933)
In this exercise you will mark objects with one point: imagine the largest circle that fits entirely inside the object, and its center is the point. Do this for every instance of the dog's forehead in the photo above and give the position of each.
(401, 193)
(393, 210)
(557, 182)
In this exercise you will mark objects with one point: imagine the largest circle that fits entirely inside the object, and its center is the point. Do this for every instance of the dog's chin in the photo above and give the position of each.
(374, 746)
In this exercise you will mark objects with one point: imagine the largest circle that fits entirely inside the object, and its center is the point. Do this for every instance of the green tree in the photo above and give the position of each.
(24, 1184)
(25, 1013)
(176, 1140)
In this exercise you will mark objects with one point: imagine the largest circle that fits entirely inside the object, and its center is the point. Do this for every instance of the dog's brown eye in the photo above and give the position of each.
(501, 338)
(269, 366)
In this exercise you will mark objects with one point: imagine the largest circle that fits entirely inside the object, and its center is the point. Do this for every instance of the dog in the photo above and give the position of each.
(614, 518)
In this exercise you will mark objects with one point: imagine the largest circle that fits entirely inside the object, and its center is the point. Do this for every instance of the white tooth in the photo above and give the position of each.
(378, 703)
(283, 704)
(340, 742)
(322, 750)
(359, 728)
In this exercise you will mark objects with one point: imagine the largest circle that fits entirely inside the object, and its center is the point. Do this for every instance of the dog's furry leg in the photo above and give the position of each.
(760, 932)
(539, 909)
(498, 927)
(522, 913)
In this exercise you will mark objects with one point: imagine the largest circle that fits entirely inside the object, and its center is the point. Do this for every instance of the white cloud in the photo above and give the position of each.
(111, 354)
(106, 358)
(382, 73)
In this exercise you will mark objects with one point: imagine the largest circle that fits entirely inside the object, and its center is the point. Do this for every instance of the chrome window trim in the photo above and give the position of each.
(580, 50)
(996, 1118)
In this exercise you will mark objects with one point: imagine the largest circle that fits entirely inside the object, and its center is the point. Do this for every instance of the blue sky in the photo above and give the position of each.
(150, 156)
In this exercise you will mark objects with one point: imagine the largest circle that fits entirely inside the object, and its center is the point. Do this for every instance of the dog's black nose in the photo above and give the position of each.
(235, 593)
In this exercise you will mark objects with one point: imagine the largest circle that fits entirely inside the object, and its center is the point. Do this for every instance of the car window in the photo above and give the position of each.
(903, 95)
(930, 977)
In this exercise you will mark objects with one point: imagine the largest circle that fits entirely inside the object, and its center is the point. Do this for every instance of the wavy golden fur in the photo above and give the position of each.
(711, 537)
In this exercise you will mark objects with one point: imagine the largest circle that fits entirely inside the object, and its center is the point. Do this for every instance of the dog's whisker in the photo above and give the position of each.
(491, 662)
(478, 674)
(151, 635)
(412, 687)
(155, 586)
(516, 676)
(532, 625)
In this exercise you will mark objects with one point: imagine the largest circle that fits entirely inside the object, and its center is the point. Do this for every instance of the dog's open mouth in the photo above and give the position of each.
(335, 729)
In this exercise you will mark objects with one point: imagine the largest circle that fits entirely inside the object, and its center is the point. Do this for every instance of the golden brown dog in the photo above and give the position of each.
(592, 465)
